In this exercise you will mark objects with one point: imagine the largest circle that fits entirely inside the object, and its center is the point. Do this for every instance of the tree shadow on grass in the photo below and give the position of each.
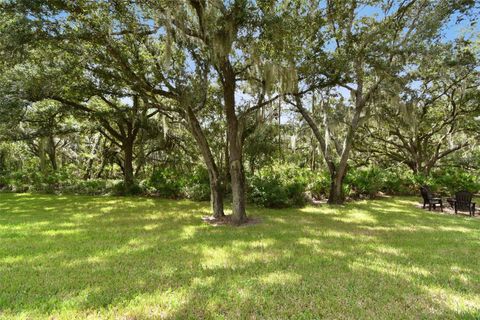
(143, 258)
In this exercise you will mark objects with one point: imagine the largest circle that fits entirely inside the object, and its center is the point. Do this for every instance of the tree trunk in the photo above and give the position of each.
(216, 188)
(252, 166)
(104, 160)
(3, 161)
(52, 153)
(235, 144)
(93, 153)
(216, 194)
(238, 191)
(337, 171)
(141, 158)
(128, 175)
(226, 167)
(42, 154)
(336, 195)
(426, 170)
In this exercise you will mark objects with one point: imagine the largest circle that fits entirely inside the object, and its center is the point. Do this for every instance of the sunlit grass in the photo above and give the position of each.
(140, 258)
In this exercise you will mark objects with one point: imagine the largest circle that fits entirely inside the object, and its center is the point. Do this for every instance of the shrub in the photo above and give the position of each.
(197, 185)
(397, 182)
(319, 186)
(121, 189)
(167, 182)
(279, 186)
(452, 180)
(90, 187)
(3, 182)
(25, 181)
(275, 186)
(365, 181)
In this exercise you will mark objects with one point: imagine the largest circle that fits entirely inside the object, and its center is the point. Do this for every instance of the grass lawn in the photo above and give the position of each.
(69, 257)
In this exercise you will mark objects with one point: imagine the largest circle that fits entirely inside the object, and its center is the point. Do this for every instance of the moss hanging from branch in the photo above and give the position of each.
(289, 80)
(164, 126)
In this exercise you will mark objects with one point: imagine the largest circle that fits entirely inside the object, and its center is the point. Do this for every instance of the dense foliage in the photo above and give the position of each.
(274, 186)
(272, 102)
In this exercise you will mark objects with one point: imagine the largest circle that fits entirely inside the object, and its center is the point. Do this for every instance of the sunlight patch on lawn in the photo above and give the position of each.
(398, 227)
(235, 255)
(382, 266)
(81, 298)
(60, 232)
(455, 229)
(156, 305)
(382, 249)
(106, 209)
(280, 277)
(188, 232)
(460, 303)
(357, 236)
(27, 227)
(464, 276)
(356, 216)
(203, 282)
(150, 227)
(310, 241)
(13, 259)
(136, 244)
(323, 209)
(214, 258)
(260, 244)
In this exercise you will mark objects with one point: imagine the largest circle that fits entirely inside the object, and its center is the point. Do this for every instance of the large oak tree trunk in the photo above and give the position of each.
(51, 152)
(238, 190)
(235, 145)
(216, 188)
(103, 164)
(128, 163)
(216, 195)
(336, 195)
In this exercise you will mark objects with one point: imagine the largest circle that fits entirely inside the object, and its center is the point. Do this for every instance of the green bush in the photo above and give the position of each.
(279, 186)
(121, 189)
(365, 181)
(29, 181)
(197, 185)
(450, 181)
(3, 182)
(167, 182)
(90, 187)
(397, 182)
(319, 186)
(275, 186)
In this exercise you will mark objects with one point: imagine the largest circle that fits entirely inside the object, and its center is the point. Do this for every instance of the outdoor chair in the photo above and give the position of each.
(463, 202)
(429, 199)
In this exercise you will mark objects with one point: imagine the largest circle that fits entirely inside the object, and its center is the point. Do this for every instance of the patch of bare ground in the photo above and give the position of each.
(449, 211)
(227, 220)
(322, 201)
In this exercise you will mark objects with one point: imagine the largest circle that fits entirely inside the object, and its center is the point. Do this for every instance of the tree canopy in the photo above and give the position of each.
(169, 94)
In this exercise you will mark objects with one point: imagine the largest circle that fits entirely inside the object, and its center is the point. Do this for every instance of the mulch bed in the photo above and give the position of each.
(227, 220)
(449, 210)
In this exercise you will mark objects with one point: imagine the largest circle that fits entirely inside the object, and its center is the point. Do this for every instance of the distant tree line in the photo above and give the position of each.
(159, 89)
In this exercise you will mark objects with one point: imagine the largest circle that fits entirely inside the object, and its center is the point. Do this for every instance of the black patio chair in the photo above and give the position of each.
(429, 199)
(463, 202)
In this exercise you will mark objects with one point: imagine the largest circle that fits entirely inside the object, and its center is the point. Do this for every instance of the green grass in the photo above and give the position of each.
(137, 258)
